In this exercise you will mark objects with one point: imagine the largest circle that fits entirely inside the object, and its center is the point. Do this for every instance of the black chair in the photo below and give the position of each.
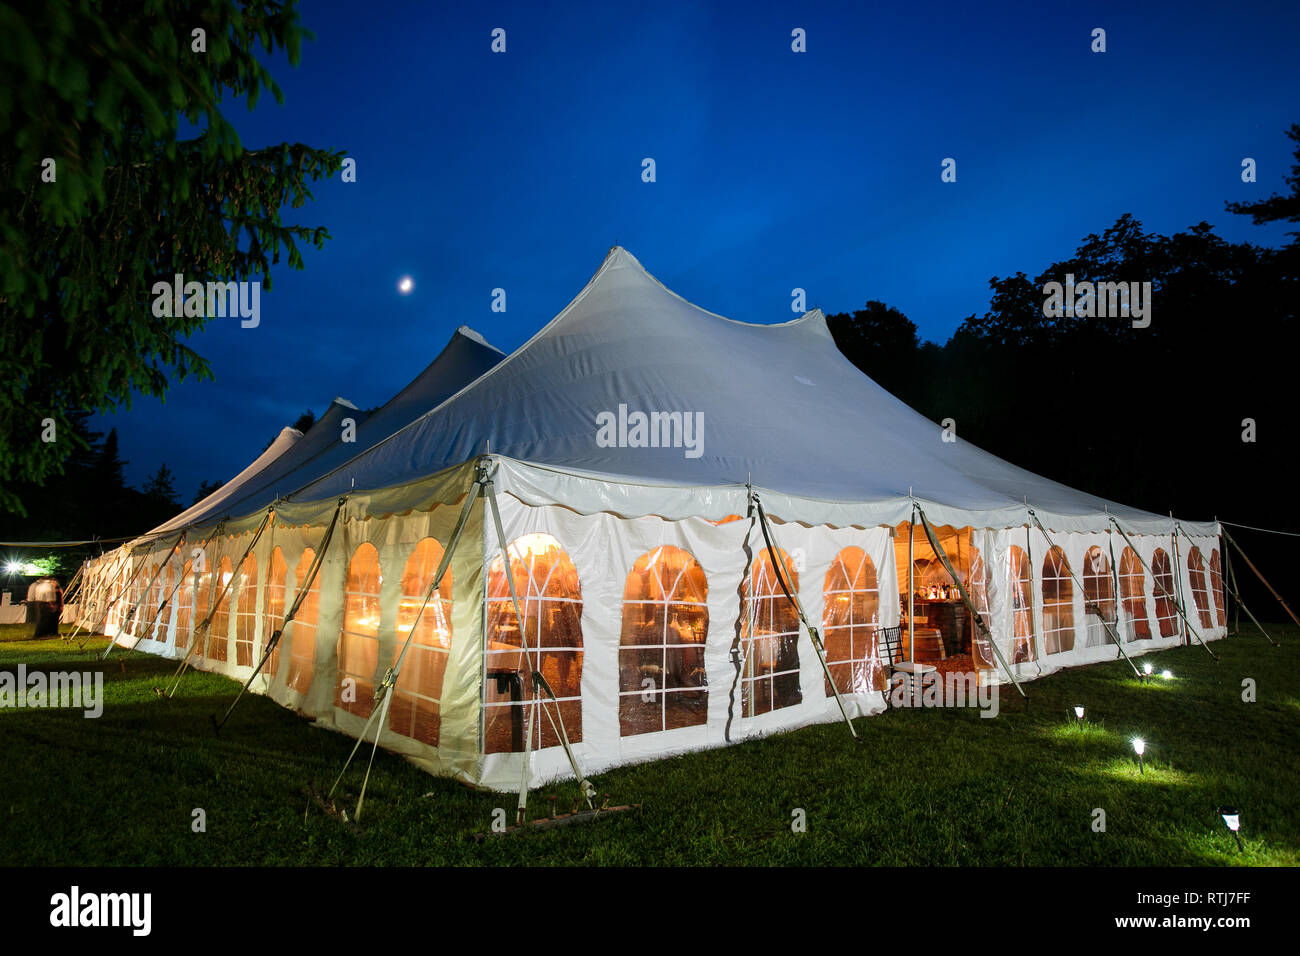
(889, 644)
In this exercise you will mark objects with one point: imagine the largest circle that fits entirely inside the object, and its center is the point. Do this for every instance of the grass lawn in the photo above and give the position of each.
(927, 787)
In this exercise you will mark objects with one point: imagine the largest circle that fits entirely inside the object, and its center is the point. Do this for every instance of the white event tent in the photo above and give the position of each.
(626, 444)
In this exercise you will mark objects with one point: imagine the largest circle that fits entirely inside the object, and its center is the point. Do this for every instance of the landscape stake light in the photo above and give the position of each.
(1146, 668)
(1166, 675)
(1233, 822)
(1140, 747)
(1078, 712)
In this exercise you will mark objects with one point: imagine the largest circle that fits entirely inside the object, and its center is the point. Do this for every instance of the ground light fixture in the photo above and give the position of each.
(1167, 675)
(1078, 712)
(1146, 668)
(1232, 820)
(1139, 748)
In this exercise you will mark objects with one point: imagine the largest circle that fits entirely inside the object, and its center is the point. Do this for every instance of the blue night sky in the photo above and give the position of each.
(818, 170)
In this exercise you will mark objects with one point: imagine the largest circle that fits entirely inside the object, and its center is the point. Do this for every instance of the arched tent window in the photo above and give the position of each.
(277, 574)
(157, 622)
(770, 639)
(117, 596)
(1216, 587)
(1098, 596)
(415, 711)
(1133, 594)
(1058, 603)
(136, 600)
(149, 601)
(1022, 607)
(204, 578)
(220, 628)
(358, 646)
(184, 606)
(977, 584)
(246, 613)
(551, 597)
(1200, 590)
(1166, 610)
(850, 608)
(662, 682)
(301, 634)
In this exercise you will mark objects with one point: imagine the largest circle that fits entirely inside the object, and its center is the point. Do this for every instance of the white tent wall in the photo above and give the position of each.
(603, 547)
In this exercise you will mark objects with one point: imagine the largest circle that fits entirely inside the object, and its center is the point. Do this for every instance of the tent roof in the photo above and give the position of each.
(287, 438)
(466, 356)
(780, 405)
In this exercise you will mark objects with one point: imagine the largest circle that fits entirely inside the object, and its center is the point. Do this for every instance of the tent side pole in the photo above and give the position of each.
(911, 587)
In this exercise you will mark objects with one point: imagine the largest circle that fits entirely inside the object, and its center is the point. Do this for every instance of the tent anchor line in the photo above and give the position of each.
(539, 682)
(180, 579)
(790, 596)
(104, 590)
(1231, 583)
(966, 598)
(1164, 590)
(1114, 635)
(203, 631)
(303, 590)
(735, 655)
(135, 608)
(483, 487)
(383, 693)
(1233, 541)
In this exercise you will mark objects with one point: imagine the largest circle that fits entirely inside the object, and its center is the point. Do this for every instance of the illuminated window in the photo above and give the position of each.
(1022, 607)
(185, 606)
(246, 613)
(1058, 603)
(1200, 591)
(157, 619)
(1098, 587)
(977, 583)
(662, 683)
(770, 639)
(202, 595)
(1216, 586)
(551, 597)
(1162, 570)
(277, 573)
(415, 710)
(1132, 589)
(148, 603)
(851, 603)
(301, 634)
(358, 647)
(218, 632)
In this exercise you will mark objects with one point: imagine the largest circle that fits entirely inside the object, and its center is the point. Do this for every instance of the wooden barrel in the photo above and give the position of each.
(929, 644)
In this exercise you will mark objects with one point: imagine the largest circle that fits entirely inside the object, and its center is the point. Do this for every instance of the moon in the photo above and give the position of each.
(405, 285)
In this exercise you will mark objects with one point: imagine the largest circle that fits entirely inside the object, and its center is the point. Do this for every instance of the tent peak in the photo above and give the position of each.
(466, 332)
